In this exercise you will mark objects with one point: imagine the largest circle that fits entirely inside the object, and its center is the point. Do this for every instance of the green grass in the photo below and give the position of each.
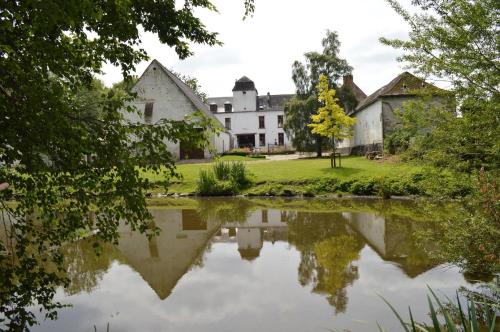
(292, 171)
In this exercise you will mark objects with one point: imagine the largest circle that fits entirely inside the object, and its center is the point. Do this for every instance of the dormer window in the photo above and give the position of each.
(213, 108)
(228, 107)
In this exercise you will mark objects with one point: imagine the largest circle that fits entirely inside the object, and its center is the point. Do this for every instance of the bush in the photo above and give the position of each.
(224, 179)
(364, 186)
(221, 170)
(238, 152)
(238, 174)
(206, 182)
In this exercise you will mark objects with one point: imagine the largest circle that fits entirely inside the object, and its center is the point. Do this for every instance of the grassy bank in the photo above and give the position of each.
(357, 175)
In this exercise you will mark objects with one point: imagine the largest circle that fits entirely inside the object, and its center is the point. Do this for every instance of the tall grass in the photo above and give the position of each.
(222, 170)
(223, 179)
(457, 317)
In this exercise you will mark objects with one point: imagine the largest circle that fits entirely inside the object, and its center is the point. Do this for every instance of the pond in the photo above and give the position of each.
(259, 265)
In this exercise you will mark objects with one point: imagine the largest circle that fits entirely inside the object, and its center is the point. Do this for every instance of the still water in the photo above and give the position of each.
(259, 265)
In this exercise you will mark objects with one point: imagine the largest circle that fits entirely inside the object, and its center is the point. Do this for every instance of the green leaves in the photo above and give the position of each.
(71, 159)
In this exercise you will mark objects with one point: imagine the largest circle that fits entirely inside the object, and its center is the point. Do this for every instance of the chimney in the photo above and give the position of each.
(348, 80)
(269, 99)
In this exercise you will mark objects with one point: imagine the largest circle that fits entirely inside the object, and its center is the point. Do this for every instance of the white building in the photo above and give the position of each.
(375, 117)
(162, 95)
(253, 120)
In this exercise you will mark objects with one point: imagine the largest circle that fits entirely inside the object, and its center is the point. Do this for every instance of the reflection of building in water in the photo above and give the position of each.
(163, 260)
(392, 239)
(250, 235)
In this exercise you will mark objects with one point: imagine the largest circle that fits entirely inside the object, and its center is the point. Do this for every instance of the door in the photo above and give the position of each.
(188, 151)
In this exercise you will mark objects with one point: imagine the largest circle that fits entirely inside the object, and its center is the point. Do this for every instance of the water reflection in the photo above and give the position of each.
(340, 254)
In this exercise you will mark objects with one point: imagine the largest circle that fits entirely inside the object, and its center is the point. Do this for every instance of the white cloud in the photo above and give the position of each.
(263, 47)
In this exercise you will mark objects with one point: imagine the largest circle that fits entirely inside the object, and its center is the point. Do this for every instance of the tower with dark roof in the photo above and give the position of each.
(245, 95)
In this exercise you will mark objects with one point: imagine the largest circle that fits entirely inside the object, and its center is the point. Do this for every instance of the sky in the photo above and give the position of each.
(263, 47)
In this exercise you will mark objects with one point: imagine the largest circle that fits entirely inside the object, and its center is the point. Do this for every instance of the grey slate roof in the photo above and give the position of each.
(244, 84)
(275, 102)
(405, 84)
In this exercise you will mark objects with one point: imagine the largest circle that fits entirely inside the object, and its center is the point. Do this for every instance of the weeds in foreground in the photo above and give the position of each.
(476, 316)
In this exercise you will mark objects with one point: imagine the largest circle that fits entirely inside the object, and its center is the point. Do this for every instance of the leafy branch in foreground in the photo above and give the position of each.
(71, 160)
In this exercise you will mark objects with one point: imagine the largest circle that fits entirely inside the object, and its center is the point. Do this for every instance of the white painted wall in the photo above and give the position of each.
(368, 127)
(169, 103)
(248, 123)
(245, 101)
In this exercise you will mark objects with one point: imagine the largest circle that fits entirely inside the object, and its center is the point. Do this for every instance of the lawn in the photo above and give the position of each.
(293, 171)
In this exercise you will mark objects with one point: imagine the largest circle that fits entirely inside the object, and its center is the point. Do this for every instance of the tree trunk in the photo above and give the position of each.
(333, 161)
(319, 144)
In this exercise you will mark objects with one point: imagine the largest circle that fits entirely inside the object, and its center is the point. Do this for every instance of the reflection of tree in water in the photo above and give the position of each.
(327, 251)
(335, 268)
(84, 267)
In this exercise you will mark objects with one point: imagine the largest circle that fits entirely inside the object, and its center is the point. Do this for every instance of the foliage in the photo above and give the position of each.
(330, 120)
(457, 317)
(456, 41)
(225, 178)
(298, 110)
(471, 241)
(65, 147)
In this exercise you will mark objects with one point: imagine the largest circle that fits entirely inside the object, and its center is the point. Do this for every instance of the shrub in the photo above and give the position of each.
(365, 186)
(384, 188)
(221, 170)
(223, 179)
(238, 174)
(206, 182)
(238, 152)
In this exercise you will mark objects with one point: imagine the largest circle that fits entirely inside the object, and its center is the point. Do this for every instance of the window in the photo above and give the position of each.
(227, 122)
(228, 107)
(262, 139)
(261, 122)
(265, 217)
(213, 108)
(148, 113)
(280, 121)
(281, 139)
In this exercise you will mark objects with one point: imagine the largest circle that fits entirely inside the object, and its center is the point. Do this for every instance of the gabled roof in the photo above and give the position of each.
(244, 84)
(405, 84)
(358, 93)
(186, 90)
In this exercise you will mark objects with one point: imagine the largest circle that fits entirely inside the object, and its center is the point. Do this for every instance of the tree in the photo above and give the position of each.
(457, 41)
(50, 52)
(299, 109)
(330, 120)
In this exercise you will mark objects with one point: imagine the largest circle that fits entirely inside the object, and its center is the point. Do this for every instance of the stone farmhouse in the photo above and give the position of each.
(375, 114)
(254, 121)
(250, 120)
(162, 95)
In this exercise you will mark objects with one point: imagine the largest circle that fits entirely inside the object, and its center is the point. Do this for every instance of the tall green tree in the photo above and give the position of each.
(50, 52)
(457, 41)
(299, 109)
(330, 121)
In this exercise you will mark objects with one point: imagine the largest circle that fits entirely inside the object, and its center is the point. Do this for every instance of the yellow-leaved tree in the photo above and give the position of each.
(330, 121)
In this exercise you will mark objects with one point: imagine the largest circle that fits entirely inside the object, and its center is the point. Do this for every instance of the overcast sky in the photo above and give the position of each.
(263, 47)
